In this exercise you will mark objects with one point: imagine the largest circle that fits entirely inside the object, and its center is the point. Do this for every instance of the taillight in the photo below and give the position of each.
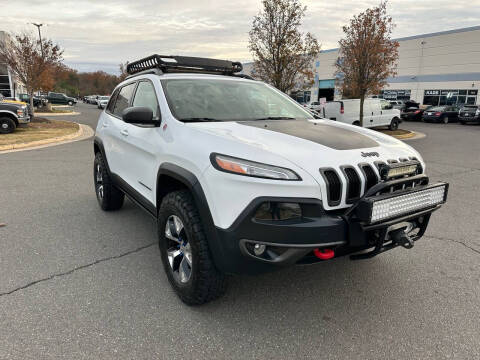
(341, 108)
(438, 113)
(418, 112)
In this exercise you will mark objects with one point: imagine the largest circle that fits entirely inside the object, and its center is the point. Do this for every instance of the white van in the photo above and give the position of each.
(376, 112)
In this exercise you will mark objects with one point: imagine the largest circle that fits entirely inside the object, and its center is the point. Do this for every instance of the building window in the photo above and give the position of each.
(449, 97)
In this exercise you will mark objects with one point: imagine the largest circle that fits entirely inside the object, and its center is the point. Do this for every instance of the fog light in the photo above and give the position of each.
(259, 249)
(278, 211)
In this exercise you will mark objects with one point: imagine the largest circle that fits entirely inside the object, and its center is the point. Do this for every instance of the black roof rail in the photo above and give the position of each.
(184, 64)
(244, 76)
(143, 72)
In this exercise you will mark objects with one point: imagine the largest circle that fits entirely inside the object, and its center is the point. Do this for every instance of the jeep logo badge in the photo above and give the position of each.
(369, 154)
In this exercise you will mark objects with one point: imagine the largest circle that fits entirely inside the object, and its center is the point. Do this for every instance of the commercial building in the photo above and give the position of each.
(433, 69)
(10, 86)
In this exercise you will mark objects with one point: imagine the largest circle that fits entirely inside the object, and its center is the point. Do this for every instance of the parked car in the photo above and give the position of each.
(469, 113)
(398, 104)
(37, 101)
(12, 100)
(376, 112)
(102, 101)
(92, 99)
(59, 98)
(411, 104)
(12, 115)
(413, 114)
(441, 114)
(244, 180)
(315, 105)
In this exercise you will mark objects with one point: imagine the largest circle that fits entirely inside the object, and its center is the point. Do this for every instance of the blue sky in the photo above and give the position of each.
(98, 35)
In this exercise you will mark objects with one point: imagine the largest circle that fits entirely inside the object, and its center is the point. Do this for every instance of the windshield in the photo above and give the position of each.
(228, 100)
(437, 108)
(104, 97)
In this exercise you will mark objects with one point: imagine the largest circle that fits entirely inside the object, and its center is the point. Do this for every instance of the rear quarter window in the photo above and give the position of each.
(123, 99)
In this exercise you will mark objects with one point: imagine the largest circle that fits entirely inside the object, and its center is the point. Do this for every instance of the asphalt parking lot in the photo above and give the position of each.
(81, 283)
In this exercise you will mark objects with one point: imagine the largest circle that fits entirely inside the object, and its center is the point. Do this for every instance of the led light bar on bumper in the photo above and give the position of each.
(397, 170)
(385, 207)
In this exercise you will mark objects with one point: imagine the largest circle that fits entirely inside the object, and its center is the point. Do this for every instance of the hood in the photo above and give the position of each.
(311, 144)
(21, 103)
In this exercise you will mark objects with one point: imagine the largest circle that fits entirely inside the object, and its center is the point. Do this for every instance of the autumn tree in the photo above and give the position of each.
(31, 60)
(367, 54)
(282, 54)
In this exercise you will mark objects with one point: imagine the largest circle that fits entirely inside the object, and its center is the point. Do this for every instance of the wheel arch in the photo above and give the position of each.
(99, 148)
(174, 177)
(10, 115)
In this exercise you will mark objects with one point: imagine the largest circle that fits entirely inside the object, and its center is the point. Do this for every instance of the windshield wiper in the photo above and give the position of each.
(276, 118)
(198, 119)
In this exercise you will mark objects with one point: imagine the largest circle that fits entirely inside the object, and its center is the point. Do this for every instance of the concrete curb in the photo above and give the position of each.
(409, 135)
(416, 135)
(57, 114)
(84, 132)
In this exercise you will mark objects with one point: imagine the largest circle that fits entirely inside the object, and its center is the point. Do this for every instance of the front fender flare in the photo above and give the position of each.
(191, 182)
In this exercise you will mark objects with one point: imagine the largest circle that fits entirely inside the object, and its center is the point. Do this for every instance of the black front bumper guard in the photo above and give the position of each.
(386, 235)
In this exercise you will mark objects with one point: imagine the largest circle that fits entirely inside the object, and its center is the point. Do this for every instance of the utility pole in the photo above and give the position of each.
(39, 35)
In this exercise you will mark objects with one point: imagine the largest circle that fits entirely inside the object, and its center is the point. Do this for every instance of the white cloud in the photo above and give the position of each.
(109, 32)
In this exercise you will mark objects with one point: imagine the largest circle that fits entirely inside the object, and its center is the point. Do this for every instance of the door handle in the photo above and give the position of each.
(105, 124)
(124, 132)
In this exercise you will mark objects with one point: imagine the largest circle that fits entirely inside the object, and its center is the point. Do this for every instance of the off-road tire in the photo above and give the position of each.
(394, 124)
(112, 198)
(7, 125)
(206, 282)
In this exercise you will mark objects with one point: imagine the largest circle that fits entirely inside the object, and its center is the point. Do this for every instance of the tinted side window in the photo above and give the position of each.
(145, 96)
(111, 103)
(123, 99)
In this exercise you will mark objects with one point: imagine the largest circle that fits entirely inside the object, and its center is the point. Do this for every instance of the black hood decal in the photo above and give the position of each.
(327, 135)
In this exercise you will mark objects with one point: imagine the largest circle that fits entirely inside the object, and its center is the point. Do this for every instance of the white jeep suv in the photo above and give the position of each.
(241, 179)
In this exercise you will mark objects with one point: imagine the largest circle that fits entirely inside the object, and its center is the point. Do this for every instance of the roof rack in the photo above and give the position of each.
(184, 64)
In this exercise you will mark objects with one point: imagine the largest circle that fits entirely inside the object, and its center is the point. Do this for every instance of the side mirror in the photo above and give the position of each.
(139, 115)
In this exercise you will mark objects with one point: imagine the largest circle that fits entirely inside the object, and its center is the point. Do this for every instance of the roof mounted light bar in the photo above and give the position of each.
(184, 64)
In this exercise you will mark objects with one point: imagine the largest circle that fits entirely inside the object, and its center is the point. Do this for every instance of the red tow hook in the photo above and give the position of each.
(324, 254)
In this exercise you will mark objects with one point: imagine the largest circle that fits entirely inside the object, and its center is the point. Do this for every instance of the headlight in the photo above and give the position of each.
(250, 168)
(20, 112)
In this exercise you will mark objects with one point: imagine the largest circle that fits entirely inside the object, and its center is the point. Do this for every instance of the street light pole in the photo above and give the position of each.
(39, 35)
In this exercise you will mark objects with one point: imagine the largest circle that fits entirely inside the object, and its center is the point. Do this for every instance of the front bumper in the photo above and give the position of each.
(431, 118)
(24, 119)
(475, 118)
(289, 242)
